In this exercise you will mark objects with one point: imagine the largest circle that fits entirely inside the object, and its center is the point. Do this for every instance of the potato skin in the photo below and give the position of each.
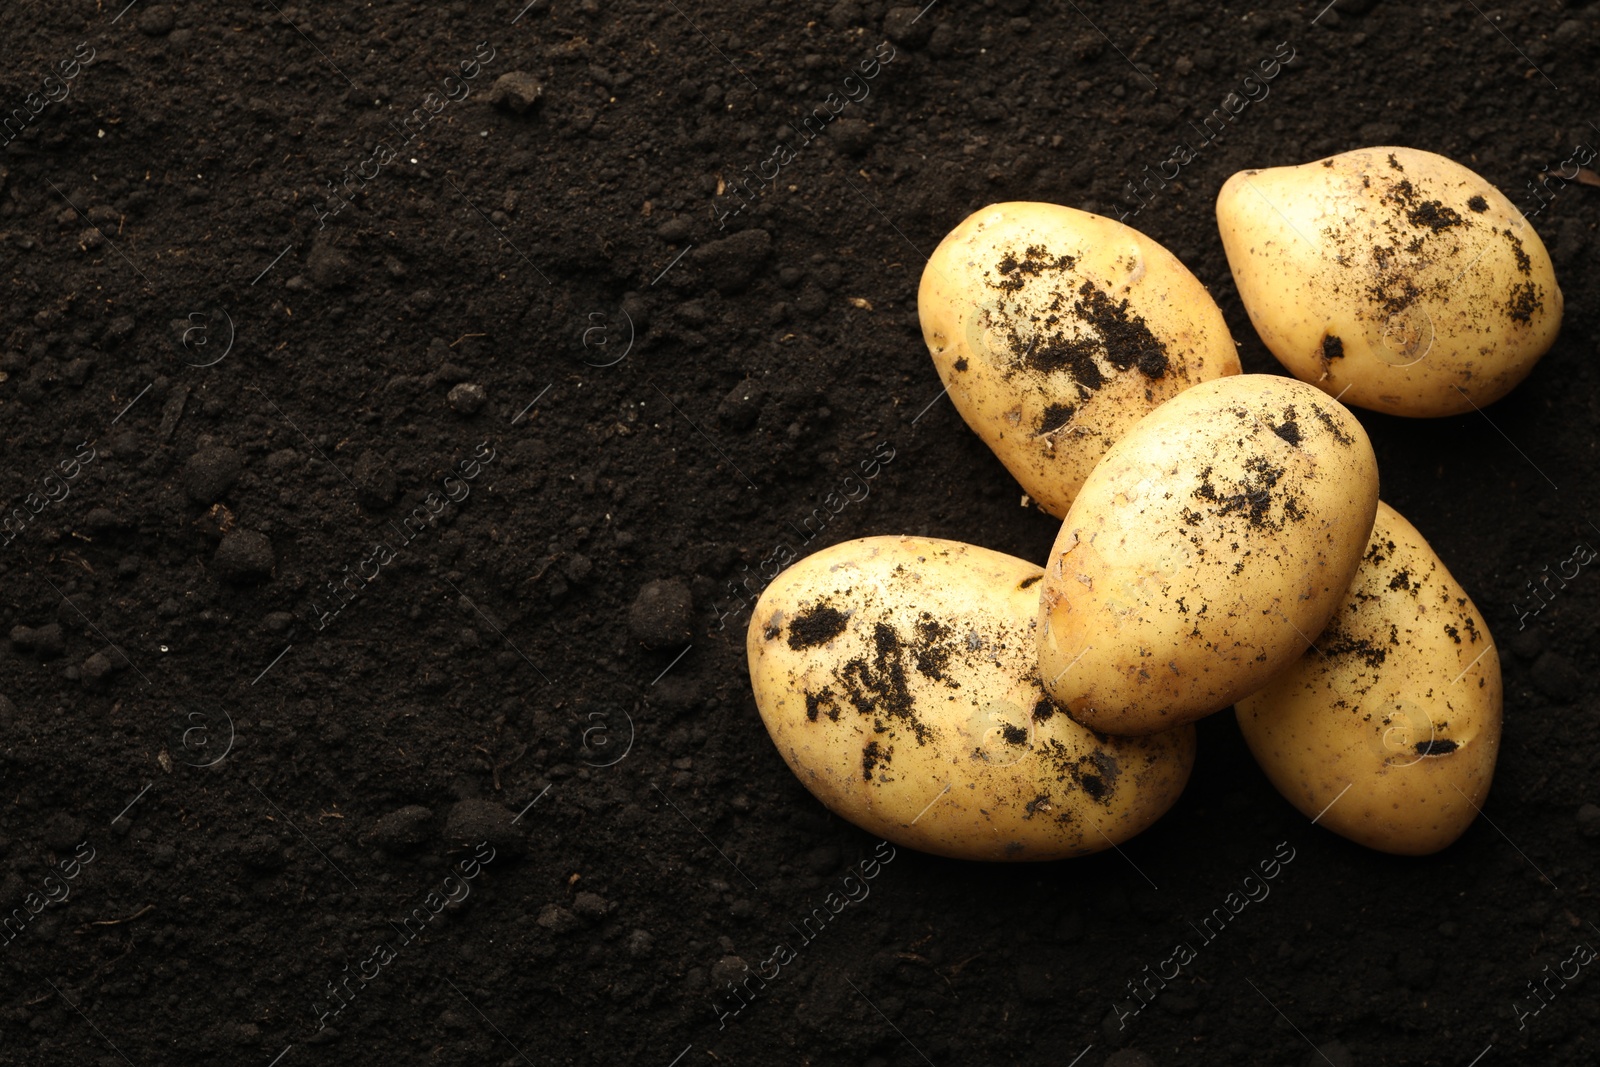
(1203, 552)
(1399, 703)
(1395, 277)
(896, 676)
(1055, 330)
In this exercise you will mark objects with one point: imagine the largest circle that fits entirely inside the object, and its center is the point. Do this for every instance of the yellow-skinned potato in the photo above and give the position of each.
(1394, 718)
(1395, 278)
(897, 677)
(1203, 552)
(1055, 330)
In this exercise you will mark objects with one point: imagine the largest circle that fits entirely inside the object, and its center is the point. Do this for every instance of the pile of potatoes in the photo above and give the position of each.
(1222, 541)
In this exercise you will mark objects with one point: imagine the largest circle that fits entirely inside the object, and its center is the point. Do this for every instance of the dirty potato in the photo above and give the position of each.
(1055, 330)
(1390, 726)
(897, 676)
(1207, 548)
(1393, 278)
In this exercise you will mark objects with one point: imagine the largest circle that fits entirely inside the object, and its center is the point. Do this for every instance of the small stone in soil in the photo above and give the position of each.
(467, 398)
(157, 21)
(96, 670)
(244, 557)
(662, 615)
(591, 906)
(733, 262)
(402, 830)
(210, 473)
(728, 969)
(902, 25)
(474, 821)
(516, 91)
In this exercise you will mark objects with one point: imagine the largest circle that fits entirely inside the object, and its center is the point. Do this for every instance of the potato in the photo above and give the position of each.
(1392, 722)
(1056, 330)
(1395, 279)
(897, 678)
(1203, 552)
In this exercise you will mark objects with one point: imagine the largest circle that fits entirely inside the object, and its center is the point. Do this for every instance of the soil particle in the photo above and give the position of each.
(818, 703)
(1036, 259)
(1520, 254)
(558, 920)
(1075, 355)
(473, 821)
(1331, 424)
(1523, 303)
(816, 626)
(211, 472)
(662, 614)
(244, 557)
(871, 757)
(1332, 348)
(1112, 331)
(157, 21)
(733, 263)
(45, 642)
(878, 688)
(1335, 643)
(1127, 339)
(1055, 417)
(1436, 747)
(905, 25)
(377, 486)
(932, 651)
(1251, 496)
(97, 670)
(466, 399)
(516, 91)
(1433, 215)
(402, 830)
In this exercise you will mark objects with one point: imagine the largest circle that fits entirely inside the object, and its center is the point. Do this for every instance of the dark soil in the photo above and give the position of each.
(348, 413)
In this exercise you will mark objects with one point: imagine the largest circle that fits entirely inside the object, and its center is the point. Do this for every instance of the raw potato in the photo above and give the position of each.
(1203, 552)
(1397, 709)
(1396, 279)
(1056, 330)
(897, 678)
